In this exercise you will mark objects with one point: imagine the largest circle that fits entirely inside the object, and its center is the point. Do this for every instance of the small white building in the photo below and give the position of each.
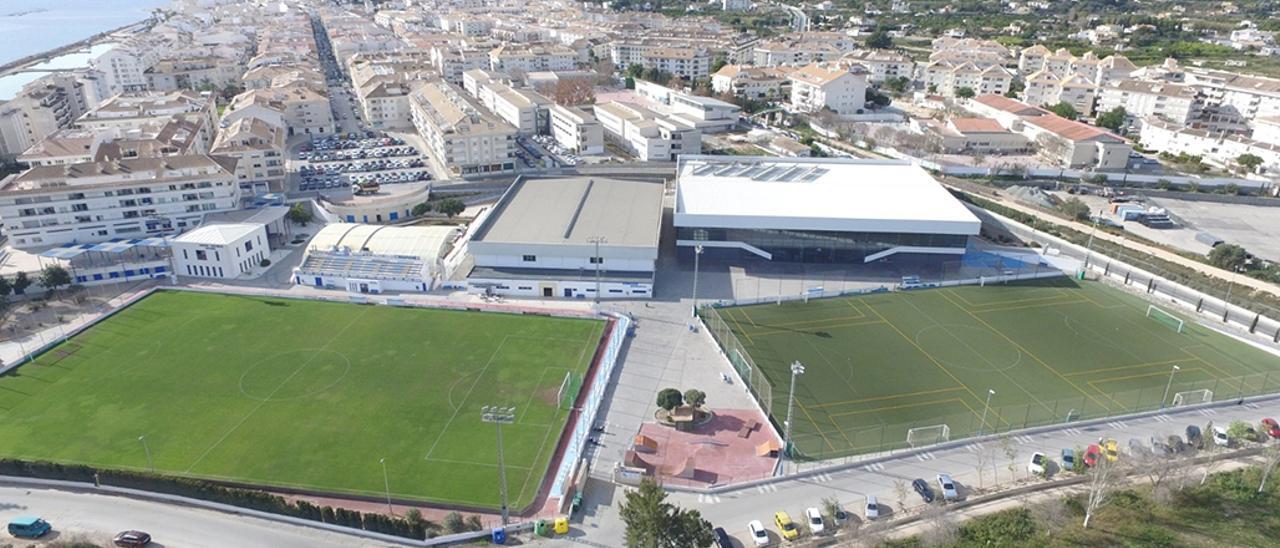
(224, 251)
(568, 237)
(577, 130)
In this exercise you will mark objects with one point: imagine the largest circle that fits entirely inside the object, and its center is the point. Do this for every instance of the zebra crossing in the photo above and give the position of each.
(822, 477)
(1117, 425)
(925, 456)
(1162, 418)
(1073, 431)
(1208, 412)
(1252, 405)
(1024, 439)
(708, 499)
(873, 467)
(765, 488)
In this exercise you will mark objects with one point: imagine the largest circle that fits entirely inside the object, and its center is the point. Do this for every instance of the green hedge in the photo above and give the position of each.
(204, 490)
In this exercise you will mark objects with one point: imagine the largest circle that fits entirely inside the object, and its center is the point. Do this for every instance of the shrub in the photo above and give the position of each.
(1004, 528)
(265, 263)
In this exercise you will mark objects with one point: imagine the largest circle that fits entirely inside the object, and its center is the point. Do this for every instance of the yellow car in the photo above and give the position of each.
(786, 526)
(1111, 450)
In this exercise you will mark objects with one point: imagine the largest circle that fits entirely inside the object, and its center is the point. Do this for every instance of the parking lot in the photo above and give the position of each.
(559, 154)
(341, 162)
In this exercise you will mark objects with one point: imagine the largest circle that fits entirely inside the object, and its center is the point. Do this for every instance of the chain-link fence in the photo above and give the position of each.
(738, 356)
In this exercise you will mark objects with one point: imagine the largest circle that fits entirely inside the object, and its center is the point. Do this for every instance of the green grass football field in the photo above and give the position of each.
(1052, 350)
(303, 394)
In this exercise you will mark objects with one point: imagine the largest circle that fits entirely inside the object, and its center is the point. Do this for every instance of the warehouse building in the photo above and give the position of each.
(574, 237)
(375, 259)
(816, 210)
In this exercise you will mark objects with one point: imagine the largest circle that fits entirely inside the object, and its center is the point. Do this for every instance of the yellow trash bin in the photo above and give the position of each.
(562, 526)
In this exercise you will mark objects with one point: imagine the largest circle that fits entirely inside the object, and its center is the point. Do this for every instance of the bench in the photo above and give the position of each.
(748, 428)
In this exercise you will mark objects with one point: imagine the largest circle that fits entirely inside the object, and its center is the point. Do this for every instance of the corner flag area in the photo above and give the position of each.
(909, 368)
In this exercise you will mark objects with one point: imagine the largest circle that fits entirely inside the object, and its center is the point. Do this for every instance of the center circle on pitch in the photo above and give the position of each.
(294, 374)
(968, 347)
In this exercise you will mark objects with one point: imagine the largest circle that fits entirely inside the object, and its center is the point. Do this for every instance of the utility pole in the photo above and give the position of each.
(797, 369)
(985, 408)
(598, 260)
(1168, 386)
(1088, 249)
(697, 254)
(500, 416)
(150, 463)
(386, 483)
(1226, 303)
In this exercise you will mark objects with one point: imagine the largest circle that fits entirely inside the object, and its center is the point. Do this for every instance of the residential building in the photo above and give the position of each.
(463, 137)
(525, 110)
(303, 110)
(136, 109)
(646, 134)
(755, 83)
(1175, 103)
(802, 48)
(688, 63)
(816, 87)
(1064, 142)
(706, 114)
(882, 65)
(576, 130)
(131, 198)
(192, 73)
(33, 114)
(178, 135)
(259, 149)
(532, 58)
(1215, 148)
(1047, 89)
(946, 78)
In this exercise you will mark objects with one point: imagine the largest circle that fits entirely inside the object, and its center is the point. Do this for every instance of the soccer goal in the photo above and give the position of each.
(1160, 315)
(1203, 395)
(568, 390)
(928, 435)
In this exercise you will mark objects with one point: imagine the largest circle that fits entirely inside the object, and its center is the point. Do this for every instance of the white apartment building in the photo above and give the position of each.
(648, 135)
(576, 130)
(1067, 143)
(460, 134)
(1174, 103)
(98, 201)
(816, 87)
(882, 65)
(532, 58)
(259, 148)
(1236, 98)
(946, 79)
(452, 61)
(1215, 148)
(124, 67)
(303, 110)
(133, 110)
(35, 113)
(752, 82)
(706, 114)
(1045, 88)
(525, 110)
(802, 48)
(192, 73)
(383, 100)
(687, 63)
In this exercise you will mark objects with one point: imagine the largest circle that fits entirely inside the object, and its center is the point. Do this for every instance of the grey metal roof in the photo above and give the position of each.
(575, 210)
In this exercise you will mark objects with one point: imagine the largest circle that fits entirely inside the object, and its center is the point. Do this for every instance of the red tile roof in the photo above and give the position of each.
(977, 125)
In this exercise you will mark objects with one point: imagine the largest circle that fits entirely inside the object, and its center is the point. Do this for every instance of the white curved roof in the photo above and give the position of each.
(423, 242)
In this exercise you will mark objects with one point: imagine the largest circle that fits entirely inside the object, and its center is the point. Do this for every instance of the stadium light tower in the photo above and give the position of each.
(697, 254)
(150, 463)
(1088, 248)
(598, 260)
(1168, 385)
(500, 416)
(985, 408)
(386, 483)
(797, 369)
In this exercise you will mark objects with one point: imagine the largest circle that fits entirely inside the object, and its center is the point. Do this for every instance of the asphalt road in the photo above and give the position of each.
(96, 518)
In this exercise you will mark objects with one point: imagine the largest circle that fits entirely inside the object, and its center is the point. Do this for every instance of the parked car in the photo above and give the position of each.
(1220, 437)
(1111, 450)
(923, 490)
(758, 534)
(872, 510)
(1091, 455)
(1159, 448)
(1272, 428)
(1194, 438)
(786, 526)
(1037, 465)
(1176, 444)
(948, 487)
(1068, 459)
(131, 538)
(722, 538)
(814, 518)
(29, 527)
(1138, 449)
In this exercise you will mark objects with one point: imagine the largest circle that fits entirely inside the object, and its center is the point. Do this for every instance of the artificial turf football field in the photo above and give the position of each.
(880, 364)
(303, 394)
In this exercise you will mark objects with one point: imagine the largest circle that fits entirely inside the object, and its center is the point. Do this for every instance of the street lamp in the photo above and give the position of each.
(598, 260)
(150, 464)
(1168, 386)
(797, 369)
(386, 483)
(1226, 303)
(1088, 248)
(500, 416)
(985, 409)
(697, 253)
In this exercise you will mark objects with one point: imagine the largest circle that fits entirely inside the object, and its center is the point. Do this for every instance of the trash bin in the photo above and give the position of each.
(562, 526)
(542, 528)
(499, 535)
(577, 504)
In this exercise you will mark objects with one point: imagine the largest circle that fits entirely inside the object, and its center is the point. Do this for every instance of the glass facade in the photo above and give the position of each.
(817, 246)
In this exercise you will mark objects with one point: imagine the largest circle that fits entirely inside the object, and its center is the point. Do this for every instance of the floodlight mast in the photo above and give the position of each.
(500, 416)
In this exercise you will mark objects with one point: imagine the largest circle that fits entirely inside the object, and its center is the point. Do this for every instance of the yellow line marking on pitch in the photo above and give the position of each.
(903, 406)
(1148, 364)
(740, 328)
(1020, 347)
(767, 325)
(832, 326)
(840, 430)
(1024, 307)
(893, 397)
(815, 426)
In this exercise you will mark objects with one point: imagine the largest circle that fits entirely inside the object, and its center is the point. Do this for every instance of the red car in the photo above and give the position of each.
(1272, 427)
(1092, 454)
(131, 539)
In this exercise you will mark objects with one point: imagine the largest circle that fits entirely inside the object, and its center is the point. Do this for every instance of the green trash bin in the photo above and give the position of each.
(542, 528)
